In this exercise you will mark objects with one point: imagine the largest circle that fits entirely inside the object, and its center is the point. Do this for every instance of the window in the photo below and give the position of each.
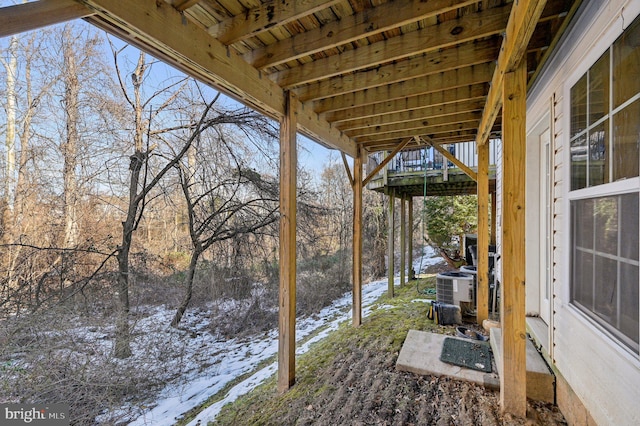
(605, 263)
(604, 133)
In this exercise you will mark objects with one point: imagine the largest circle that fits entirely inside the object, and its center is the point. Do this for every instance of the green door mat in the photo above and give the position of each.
(466, 353)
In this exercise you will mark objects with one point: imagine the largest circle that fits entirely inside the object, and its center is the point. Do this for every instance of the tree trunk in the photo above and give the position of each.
(122, 344)
(195, 254)
(10, 143)
(25, 148)
(70, 146)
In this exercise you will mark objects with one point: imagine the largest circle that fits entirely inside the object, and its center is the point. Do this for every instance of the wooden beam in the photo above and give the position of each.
(357, 237)
(513, 398)
(482, 272)
(461, 30)
(24, 17)
(412, 125)
(184, 4)
(464, 55)
(445, 138)
(347, 168)
(287, 305)
(522, 22)
(473, 175)
(403, 239)
(429, 113)
(387, 159)
(350, 28)
(492, 238)
(410, 235)
(266, 16)
(391, 245)
(158, 28)
(448, 80)
(461, 94)
(430, 131)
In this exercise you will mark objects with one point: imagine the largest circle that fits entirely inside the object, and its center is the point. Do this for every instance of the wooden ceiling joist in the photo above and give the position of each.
(426, 113)
(448, 80)
(421, 131)
(182, 5)
(263, 17)
(467, 28)
(350, 28)
(32, 16)
(413, 126)
(464, 55)
(470, 93)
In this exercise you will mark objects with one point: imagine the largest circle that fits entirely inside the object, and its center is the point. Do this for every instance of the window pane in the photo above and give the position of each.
(579, 106)
(583, 223)
(599, 89)
(629, 226)
(598, 154)
(582, 280)
(579, 163)
(606, 297)
(606, 220)
(629, 302)
(626, 63)
(582, 237)
(626, 141)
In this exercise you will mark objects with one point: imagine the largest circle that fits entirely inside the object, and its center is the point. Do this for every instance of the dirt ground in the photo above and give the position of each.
(352, 380)
(364, 388)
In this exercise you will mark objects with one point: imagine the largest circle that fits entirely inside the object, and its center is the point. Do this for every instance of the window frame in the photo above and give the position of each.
(608, 189)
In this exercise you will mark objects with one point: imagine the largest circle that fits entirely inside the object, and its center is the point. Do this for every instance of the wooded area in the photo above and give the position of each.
(126, 184)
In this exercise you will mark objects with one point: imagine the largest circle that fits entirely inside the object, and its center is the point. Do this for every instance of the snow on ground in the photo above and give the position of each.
(429, 258)
(229, 359)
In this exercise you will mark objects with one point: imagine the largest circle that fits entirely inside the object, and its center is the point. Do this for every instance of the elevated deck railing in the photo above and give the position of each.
(428, 158)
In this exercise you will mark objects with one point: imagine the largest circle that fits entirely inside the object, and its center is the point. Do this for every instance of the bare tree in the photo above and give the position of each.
(225, 199)
(139, 186)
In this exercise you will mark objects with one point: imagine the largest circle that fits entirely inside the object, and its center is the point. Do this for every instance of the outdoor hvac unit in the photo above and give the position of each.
(454, 287)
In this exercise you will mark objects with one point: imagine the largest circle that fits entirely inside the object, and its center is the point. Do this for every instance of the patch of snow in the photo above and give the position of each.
(233, 358)
(229, 359)
(429, 258)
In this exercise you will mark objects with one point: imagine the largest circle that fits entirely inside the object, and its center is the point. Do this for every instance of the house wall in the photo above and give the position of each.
(596, 371)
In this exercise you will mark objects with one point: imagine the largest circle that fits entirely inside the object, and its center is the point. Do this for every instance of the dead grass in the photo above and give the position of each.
(349, 378)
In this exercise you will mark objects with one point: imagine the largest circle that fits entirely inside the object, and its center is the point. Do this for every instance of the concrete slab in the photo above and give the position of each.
(420, 354)
(540, 381)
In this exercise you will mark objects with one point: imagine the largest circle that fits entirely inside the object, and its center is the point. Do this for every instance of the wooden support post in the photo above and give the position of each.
(410, 237)
(513, 380)
(482, 273)
(403, 239)
(287, 302)
(493, 217)
(391, 242)
(357, 238)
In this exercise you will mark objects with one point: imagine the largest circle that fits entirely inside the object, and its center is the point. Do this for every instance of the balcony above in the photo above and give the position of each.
(409, 171)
